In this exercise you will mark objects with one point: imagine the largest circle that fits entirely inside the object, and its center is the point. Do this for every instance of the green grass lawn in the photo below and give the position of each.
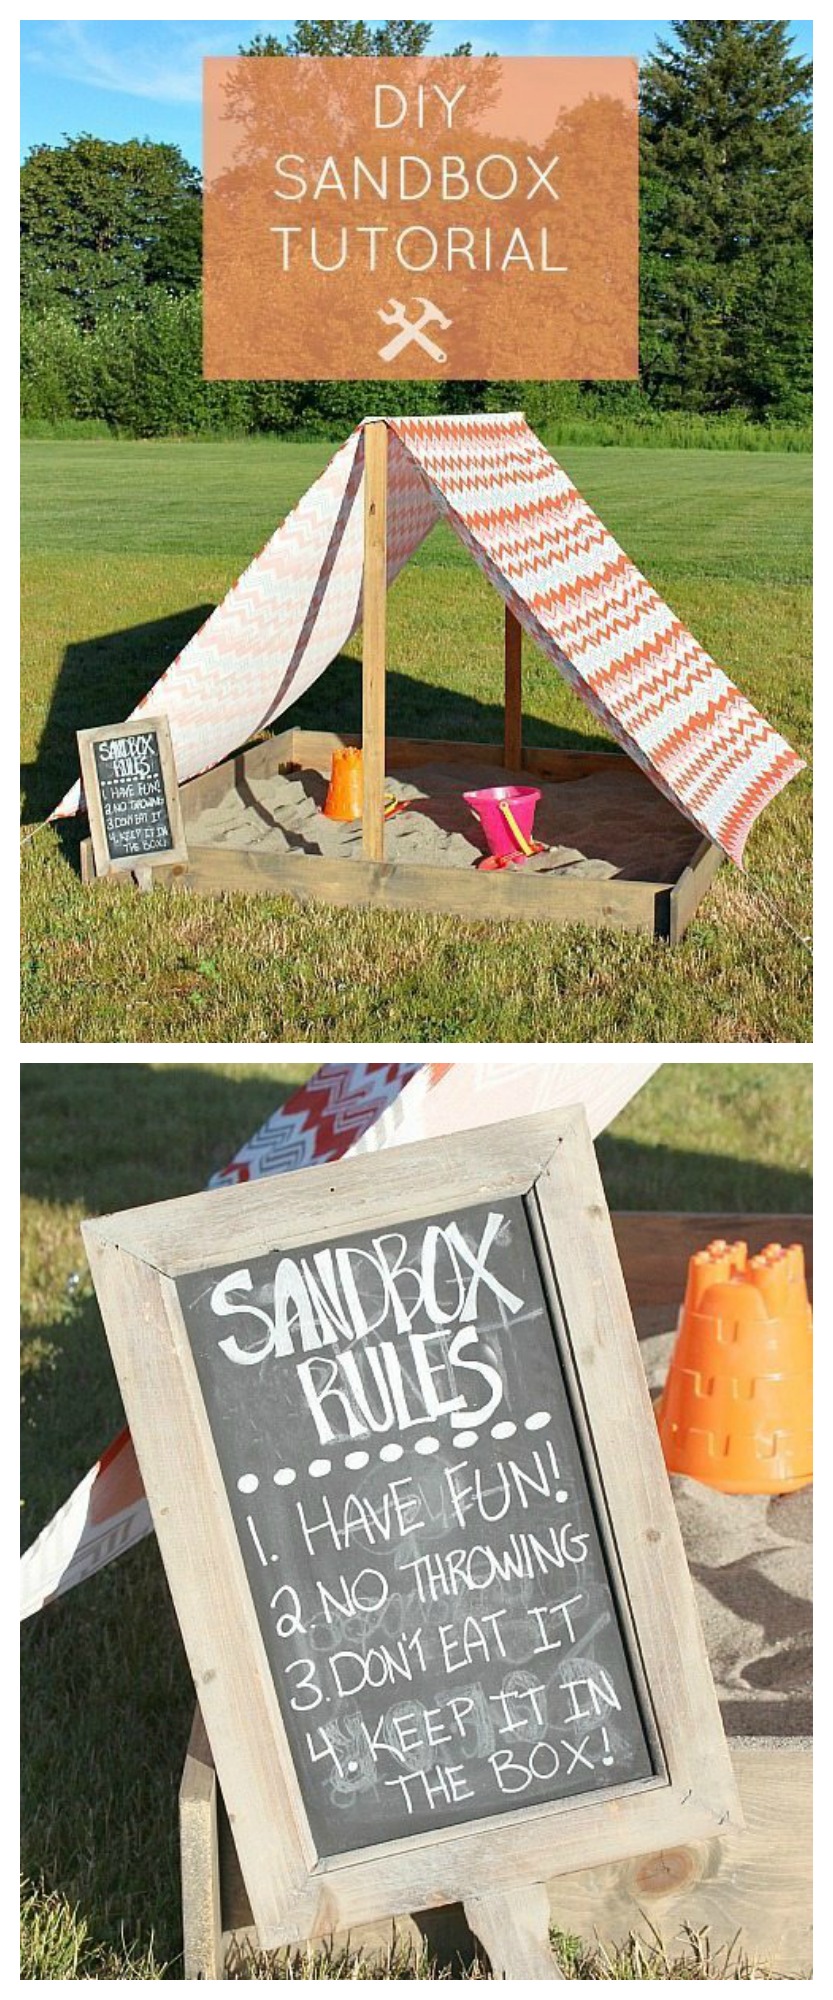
(107, 1698)
(126, 548)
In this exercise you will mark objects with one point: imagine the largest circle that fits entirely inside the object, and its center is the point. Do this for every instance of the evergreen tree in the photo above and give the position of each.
(726, 220)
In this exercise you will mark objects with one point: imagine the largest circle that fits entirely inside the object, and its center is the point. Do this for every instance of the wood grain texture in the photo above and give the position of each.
(691, 888)
(205, 1570)
(512, 695)
(654, 1249)
(196, 1231)
(202, 1919)
(513, 1927)
(457, 892)
(374, 638)
(132, 1256)
(312, 749)
(754, 1886)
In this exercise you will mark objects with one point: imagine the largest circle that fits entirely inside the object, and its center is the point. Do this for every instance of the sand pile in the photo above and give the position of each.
(750, 1557)
(611, 823)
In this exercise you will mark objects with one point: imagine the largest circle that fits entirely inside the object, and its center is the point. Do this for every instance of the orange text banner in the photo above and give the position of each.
(425, 218)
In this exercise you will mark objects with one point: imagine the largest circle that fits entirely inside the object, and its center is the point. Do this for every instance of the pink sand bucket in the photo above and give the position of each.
(506, 813)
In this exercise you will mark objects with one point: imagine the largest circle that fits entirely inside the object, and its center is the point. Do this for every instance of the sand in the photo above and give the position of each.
(611, 823)
(750, 1558)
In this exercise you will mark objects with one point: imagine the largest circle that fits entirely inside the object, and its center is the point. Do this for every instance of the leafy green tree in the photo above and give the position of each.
(101, 221)
(726, 220)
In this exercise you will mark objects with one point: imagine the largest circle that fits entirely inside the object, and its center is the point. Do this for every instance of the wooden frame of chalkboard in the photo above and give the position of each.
(669, 1780)
(155, 732)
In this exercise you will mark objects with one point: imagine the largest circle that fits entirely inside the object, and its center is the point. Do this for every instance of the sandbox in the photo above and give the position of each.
(616, 853)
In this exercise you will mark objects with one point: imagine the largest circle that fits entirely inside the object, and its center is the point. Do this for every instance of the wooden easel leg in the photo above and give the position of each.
(202, 1925)
(514, 1927)
(374, 636)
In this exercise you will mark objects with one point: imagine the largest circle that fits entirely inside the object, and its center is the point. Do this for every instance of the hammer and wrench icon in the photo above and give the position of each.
(412, 331)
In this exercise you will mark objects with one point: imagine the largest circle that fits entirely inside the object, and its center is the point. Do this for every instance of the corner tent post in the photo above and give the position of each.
(374, 619)
(512, 747)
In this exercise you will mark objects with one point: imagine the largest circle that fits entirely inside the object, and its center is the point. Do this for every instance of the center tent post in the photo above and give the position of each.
(374, 636)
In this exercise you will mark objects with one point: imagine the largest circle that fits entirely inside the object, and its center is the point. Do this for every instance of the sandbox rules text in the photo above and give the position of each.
(132, 790)
(399, 1452)
(436, 218)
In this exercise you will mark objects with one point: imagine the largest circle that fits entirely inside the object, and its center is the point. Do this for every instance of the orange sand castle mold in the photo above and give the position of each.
(344, 792)
(736, 1410)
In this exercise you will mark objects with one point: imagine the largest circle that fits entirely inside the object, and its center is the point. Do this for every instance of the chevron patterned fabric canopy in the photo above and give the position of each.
(569, 584)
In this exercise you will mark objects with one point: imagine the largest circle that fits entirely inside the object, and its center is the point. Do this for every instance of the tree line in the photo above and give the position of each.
(111, 255)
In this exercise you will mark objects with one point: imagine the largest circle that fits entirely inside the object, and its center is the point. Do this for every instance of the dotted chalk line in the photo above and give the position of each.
(390, 1454)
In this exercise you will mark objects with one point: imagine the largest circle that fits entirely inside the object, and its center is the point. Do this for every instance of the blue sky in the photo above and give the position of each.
(142, 79)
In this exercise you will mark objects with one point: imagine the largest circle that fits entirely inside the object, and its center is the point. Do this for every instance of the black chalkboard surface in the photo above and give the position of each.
(131, 794)
(394, 1427)
(132, 791)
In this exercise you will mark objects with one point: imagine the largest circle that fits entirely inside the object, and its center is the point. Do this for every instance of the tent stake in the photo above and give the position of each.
(512, 747)
(373, 639)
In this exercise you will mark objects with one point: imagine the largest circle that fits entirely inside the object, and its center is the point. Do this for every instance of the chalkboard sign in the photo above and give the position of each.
(131, 794)
(393, 1426)
(396, 1440)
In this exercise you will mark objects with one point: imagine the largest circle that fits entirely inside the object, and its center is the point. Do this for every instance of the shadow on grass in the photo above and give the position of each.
(678, 1177)
(102, 679)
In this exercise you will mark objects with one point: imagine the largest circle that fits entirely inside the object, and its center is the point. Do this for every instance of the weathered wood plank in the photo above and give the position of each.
(202, 1922)
(691, 888)
(374, 638)
(654, 1249)
(513, 1927)
(512, 697)
(754, 1886)
(314, 747)
(458, 892)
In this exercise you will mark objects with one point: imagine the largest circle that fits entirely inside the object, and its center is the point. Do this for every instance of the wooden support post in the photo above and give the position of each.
(373, 639)
(514, 1928)
(512, 746)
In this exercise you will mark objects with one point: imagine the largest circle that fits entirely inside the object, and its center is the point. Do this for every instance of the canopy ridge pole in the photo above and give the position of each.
(374, 622)
(512, 723)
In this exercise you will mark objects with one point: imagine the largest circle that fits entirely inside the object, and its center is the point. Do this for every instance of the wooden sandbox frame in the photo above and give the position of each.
(753, 1888)
(661, 908)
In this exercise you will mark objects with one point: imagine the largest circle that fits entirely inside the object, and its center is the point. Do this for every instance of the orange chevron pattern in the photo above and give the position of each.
(642, 675)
